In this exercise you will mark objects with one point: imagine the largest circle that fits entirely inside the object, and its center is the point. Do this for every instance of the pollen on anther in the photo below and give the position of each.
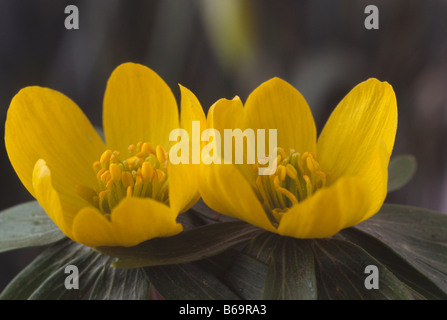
(115, 172)
(147, 171)
(147, 148)
(161, 153)
(105, 157)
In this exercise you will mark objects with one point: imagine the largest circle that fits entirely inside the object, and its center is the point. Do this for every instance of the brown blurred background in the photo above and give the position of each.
(222, 48)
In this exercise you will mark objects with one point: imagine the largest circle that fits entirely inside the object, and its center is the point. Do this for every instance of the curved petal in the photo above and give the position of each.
(45, 124)
(61, 213)
(132, 221)
(375, 176)
(328, 211)
(138, 106)
(276, 104)
(183, 177)
(224, 189)
(228, 115)
(365, 116)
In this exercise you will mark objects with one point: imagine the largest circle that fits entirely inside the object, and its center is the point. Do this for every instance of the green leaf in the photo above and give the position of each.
(50, 260)
(417, 235)
(400, 171)
(422, 286)
(246, 277)
(120, 284)
(188, 282)
(291, 273)
(242, 273)
(195, 244)
(26, 225)
(341, 273)
(90, 264)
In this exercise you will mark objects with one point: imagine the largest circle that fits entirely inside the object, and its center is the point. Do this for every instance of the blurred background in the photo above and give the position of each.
(223, 48)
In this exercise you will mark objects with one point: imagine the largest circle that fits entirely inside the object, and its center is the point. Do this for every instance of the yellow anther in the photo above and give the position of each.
(109, 184)
(160, 175)
(103, 194)
(100, 172)
(291, 171)
(311, 163)
(129, 192)
(304, 156)
(106, 176)
(276, 182)
(308, 185)
(115, 172)
(139, 144)
(138, 179)
(131, 162)
(147, 171)
(288, 194)
(105, 157)
(282, 172)
(96, 165)
(127, 179)
(147, 148)
(131, 149)
(161, 153)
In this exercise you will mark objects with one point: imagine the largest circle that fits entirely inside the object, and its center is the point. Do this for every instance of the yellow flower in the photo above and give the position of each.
(118, 193)
(319, 187)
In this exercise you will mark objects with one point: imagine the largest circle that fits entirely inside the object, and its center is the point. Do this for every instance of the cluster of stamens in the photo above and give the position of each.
(296, 178)
(144, 174)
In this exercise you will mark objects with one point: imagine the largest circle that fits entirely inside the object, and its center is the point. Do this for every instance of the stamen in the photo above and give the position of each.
(282, 172)
(296, 178)
(147, 171)
(291, 171)
(143, 174)
(105, 158)
(129, 192)
(115, 172)
(161, 153)
(147, 148)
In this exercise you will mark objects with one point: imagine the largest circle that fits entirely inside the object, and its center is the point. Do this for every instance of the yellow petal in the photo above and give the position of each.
(138, 106)
(374, 176)
(276, 104)
(44, 124)
(224, 189)
(229, 115)
(328, 211)
(132, 221)
(183, 178)
(365, 116)
(61, 213)
(226, 114)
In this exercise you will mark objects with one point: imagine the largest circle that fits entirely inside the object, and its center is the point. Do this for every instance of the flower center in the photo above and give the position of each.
(296, 178)
(144, 174)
